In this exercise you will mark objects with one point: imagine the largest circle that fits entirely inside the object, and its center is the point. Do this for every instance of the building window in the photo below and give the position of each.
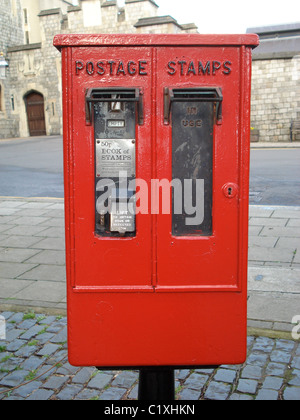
(1, 100)
(121, 15)
(25, 14)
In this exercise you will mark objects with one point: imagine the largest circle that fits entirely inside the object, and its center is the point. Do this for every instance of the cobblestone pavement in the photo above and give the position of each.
(34, 366)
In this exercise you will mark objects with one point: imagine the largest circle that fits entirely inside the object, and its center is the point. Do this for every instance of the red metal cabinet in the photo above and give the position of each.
(158, 297)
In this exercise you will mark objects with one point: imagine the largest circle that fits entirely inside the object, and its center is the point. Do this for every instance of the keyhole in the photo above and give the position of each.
(230, 190)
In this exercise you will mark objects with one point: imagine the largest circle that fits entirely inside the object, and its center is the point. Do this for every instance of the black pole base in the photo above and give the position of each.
(157, 384)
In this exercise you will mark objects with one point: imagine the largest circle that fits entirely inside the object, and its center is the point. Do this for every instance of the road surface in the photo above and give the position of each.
(34, 168)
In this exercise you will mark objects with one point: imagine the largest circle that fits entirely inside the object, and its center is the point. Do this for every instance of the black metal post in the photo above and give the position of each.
(157, 384)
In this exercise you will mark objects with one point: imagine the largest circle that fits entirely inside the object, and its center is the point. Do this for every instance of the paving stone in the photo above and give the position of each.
(16, 255)
(217, 391)
(11, 270)
(47, 257)
(55, 382)
(273, 382)
(27, 324)
(241, 397)
(252, 372)
(45, 371)
(295, 378)
(32, 363)
(125, 379)
(196, 381)
(267, 395)
(43, 291)
(290, 213)
(133, 394)
(44, 338)
(51, 232)
(259, 211)
(182, 374)
(15, 345)
(247, 386)
(66, 369)
(7, 315)
(225, 375)
(83, 376)
(48, 350)
(25, 390)
(87, 394)
(206, 371)
(280, 356)
(7, 219)
(47, 320)
(21, 212)
(288, 232)
(4, 392)
(37, 205)
(46, 272)
(12, 204)
(7, 211)
(29, 221)
(32, 332)
(16, 241)
(189, 394)
(257, 359)
(26, 230)
(14, 379)
(40, 395)
(268, 221)
(69, 392)
(296, 362)
(6, 228)
(60, 337)
(26, 351)
(16, 317)
(113, 394)
(292, 394)
(257, 253)
(11, 364)
(55, 222)
(13, 335)
(100, 381)
(276, 369)
(49, 243)
(263, 241)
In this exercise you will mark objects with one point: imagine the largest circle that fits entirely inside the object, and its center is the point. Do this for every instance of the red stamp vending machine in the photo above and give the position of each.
(156, 158)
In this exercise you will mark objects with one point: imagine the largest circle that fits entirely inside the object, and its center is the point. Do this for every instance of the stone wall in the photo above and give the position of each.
(275, 97)
(37, 67)
(11, 34)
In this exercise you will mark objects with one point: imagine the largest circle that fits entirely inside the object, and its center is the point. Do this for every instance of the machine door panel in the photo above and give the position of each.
(112, 250)
(200, 136)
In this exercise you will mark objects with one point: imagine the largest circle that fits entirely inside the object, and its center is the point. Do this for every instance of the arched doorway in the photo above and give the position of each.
(34, 102)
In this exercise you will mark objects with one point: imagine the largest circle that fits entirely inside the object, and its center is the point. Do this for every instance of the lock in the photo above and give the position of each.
(230, 190)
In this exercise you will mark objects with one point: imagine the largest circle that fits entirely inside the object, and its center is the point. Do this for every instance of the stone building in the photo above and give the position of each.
(11, 33)
(30, 90)
(275, 109)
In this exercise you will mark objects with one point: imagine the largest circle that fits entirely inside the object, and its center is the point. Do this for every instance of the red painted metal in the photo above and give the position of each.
(156, 299)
